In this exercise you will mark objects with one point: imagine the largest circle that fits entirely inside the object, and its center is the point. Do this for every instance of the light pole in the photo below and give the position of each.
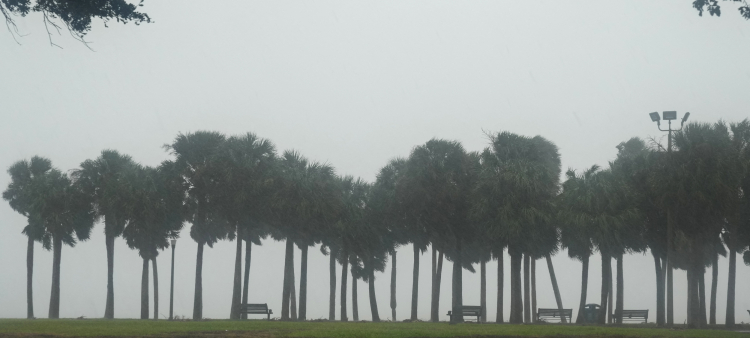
(669, 116)
(171, 288)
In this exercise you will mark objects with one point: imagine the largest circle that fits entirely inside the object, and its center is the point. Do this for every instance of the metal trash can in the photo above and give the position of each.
(591, 313)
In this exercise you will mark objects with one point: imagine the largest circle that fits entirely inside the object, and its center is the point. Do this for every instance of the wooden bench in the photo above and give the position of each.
(634, 316)
(543, 314)
(256, 309)
(469, 310)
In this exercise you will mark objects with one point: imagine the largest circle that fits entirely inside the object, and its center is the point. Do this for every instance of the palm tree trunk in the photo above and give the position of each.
(606, 267)
(415, 284)
(483, 290)
(234, 312)
(731, 287)
(393, 286)
(610, 303)
(690, 319)
(436, 280)
(109, 308)
(54, 301)
(714, 280)
(670, 293)
(198, 299)
(516, 302)
(246, 286)
(702, 294)
(293, 294)
(439, 278)
(556, 289)
(457, 294)
(693, 298)
(303, 285)
(433, 270)
(287, 286)
(29, 279)
(373, 300)
(144, 290)
(156, 288)
(620, 291)
(355, 306)
(344, 275)
(332, 287)
(533, 290)
(526, 290)
(500, 281)
(584, 289)
(659, 289)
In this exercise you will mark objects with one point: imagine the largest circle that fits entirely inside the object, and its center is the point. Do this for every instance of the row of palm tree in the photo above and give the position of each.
(467, 207)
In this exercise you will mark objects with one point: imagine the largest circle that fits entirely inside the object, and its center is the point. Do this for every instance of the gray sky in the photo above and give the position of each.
(355, 84)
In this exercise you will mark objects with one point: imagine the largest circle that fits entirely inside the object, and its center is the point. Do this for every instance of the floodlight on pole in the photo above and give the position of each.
(669, 259)
(669, 115)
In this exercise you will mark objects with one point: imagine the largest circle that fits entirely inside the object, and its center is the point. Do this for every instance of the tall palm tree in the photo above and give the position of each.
(438, 183)
(26, 180)
(197, 161)
(740, 160)
(102, 179)
(248, 164)
(155, 216)
(306, 199)
(385, 211)
(703, 186)
(518, 180)
(66, 214)
(574, 216)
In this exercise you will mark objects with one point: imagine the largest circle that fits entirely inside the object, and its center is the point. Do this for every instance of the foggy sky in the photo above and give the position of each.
(355, 84)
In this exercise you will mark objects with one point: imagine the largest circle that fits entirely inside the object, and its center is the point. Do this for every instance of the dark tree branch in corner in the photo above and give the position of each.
(75, 15)
(713, 7)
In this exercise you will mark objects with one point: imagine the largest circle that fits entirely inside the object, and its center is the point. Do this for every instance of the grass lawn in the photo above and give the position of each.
(260, 328)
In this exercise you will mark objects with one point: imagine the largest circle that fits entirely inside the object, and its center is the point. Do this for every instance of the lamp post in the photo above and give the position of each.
(171, 288)
(669, 116)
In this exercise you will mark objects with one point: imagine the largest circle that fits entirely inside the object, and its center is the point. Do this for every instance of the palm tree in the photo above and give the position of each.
(705, 155)
(518, 180)
(27, 178)
(197, 161)
(574, 216)
(306, 199)
(386, 212)
(437, 187)
(155, 216)
(64, 210)
(248, 163)
(739, 158)
(102, 180)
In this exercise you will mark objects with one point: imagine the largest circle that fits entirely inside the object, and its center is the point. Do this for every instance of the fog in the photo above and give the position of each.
(355, 84)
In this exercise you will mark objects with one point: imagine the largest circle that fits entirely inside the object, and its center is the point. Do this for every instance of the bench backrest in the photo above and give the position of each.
(554, 312)
(634, 314)
(255, 308)
(471, 310)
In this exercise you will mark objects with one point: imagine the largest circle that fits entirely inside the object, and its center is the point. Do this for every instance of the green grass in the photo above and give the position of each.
(258, 328)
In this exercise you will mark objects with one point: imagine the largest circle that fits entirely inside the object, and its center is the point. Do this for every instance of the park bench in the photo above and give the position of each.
(544, 314)
(634, 316)
(256, 309)
(469, 310)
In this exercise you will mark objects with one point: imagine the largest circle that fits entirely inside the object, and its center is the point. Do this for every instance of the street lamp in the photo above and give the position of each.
(171, 288)
(669, 116)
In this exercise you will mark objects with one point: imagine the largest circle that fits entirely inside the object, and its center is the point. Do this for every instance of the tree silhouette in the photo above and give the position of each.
(75, 16)
(196, 160)
(26, 186)
(518, 181)
(102, 180)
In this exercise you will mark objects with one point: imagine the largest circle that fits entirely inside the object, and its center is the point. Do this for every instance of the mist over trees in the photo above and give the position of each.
(468, 207)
